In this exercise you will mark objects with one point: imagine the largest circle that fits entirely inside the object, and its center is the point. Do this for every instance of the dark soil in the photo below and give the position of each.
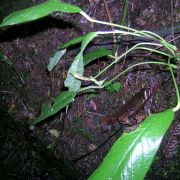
(80, 144)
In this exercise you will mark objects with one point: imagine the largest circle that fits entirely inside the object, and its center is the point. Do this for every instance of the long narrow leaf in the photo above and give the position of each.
(72, 42)
(39, 11)
(132, 154)
(60, 102)
(55, 59)
(87, 38)
(77, 67)
(95, 54)
(61, 51)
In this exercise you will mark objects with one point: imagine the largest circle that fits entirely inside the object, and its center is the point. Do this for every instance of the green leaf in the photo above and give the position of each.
(113, 87)
(72, 42)
(39, 11)
(97, 53)
(62, 50)
(60, 102)
(55, 59)
(132, 154)
(77, 67)
(87, 38)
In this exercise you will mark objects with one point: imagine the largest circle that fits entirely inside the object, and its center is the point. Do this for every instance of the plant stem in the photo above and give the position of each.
(124, 13)
(138, 64)
(90, 87)
(122, 22)
(176, 87)
(131, 49)
(120, 32)
(146, 34)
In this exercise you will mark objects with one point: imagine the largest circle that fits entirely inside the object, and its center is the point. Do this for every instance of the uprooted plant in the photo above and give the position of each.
(133, 153)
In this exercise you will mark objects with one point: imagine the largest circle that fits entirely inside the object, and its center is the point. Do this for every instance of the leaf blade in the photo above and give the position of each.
(38, 11)
(53, 61)
(95, 54)
(72, 42)
(60, 102)
(77, 67)
(131, 155)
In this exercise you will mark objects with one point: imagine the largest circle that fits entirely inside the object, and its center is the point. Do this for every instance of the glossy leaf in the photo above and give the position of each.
(132, 154)
(95, 54)
(60, 102)
(39, 11)
(55, 59)
(77, 67)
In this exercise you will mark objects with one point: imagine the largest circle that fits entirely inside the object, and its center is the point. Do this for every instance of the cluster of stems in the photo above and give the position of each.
(154, 47)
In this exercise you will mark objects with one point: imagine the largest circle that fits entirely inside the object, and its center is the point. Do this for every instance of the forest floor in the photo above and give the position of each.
(83, 135)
